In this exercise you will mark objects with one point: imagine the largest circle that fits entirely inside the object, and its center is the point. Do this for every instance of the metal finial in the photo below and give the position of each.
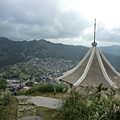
(94, 29)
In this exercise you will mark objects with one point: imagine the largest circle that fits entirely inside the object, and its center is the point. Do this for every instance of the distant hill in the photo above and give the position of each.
(114, 60)
(115, 49)
(12, 52)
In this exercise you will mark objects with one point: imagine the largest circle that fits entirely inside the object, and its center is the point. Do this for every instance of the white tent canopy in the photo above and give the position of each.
(93, 70)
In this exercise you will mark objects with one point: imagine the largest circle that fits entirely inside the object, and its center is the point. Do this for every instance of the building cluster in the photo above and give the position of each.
(55, 68)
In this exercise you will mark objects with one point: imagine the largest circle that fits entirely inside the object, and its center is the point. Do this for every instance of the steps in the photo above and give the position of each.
(26, 109)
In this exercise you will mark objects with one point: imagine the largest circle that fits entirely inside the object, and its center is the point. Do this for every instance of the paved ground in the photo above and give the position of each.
(43, 101)
(46, 102)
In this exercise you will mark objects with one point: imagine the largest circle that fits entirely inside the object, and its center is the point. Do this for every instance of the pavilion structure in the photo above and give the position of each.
(92, 70)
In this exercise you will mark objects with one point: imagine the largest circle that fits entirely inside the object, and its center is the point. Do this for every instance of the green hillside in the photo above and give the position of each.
(12, 52)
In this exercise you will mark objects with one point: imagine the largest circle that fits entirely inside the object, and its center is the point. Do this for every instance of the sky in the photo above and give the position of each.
(61, 21)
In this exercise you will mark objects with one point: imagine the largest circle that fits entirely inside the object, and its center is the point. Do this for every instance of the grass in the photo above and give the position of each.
(52, 95)
(47, 113)
(46, 90)
(10, 111)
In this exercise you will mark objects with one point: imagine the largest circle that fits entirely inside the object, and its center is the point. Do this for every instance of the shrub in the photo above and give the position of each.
(46, 88)
(74, 108)
(29, 84)
(51, 87)
(88, 106)
(21, 92)
(1, 112)
(5, 99)
(9, 111)
(3, 84)
(31, 90)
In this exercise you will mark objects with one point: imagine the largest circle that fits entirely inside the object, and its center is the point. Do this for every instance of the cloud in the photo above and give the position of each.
(50, 19)
(111, 35)
(104, 34)
(39, 19)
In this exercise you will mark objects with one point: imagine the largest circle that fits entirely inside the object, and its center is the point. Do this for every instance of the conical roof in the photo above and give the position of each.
(93, 70)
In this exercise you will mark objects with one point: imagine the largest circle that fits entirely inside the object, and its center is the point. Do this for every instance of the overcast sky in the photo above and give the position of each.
(62, 21)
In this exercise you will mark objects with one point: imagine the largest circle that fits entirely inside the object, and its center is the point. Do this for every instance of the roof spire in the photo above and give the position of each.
(94, 29)
(94, 43)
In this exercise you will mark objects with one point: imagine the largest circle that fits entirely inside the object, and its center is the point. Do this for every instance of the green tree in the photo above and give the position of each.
(3, 84)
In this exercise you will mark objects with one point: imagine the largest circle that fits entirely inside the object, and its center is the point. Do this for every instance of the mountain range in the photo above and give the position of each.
(12, 52)
(114, 49)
